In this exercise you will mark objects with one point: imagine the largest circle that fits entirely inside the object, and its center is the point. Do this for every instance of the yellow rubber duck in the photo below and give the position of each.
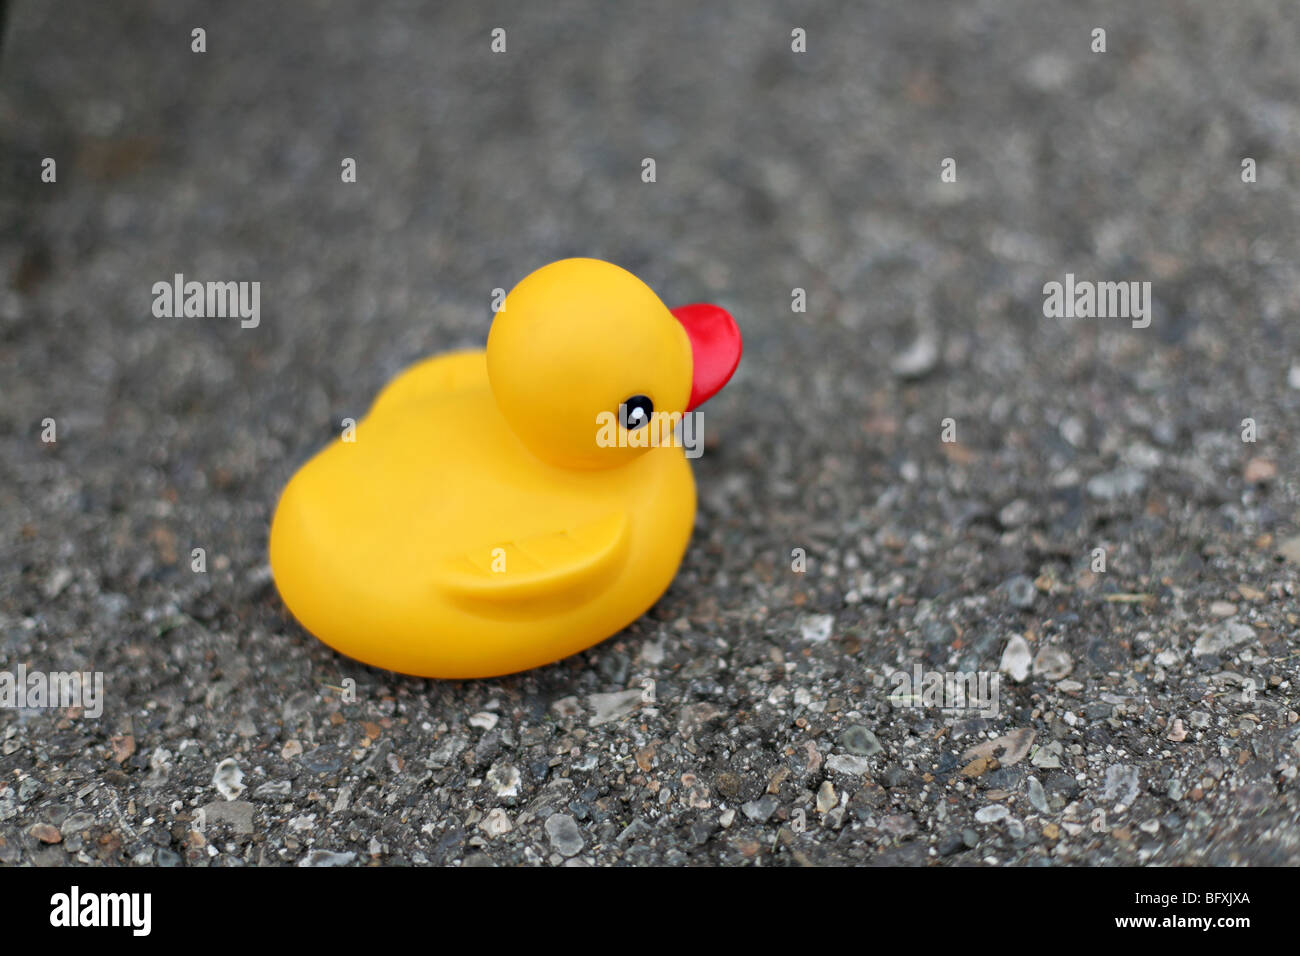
(504, 508)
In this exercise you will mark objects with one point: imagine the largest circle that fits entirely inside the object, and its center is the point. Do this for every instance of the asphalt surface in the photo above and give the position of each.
(1146, 714)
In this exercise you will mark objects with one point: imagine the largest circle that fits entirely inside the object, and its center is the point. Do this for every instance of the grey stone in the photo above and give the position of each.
(1121, 785)
(1016, 659)
(860, 741)
(1121, 483)
(1020, 591)
(760, 810)
(326, 858)
(1037, 798)
(562, 830)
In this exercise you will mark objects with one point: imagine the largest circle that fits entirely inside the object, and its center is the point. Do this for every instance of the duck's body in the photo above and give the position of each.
(474, 525)
(400, 573)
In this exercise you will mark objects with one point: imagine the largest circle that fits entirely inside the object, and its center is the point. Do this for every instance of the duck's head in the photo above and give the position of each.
(581, 340)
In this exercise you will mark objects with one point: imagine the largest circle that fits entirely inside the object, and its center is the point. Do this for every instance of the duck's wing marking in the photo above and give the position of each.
(541, 565)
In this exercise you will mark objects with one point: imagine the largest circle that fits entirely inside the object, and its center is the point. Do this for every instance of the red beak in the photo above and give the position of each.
(715, 348)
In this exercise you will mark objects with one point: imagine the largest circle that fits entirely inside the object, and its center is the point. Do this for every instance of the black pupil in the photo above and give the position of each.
(635, 412)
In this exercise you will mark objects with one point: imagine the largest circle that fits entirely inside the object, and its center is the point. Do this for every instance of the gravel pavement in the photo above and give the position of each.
(1145, 713)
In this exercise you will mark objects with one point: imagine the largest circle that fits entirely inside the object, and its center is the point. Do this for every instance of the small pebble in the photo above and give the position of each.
(607, 707)
(860, 741)
(496, 823)
(1052, 663)
(1121, 785)
(1290, 549)
(326, 858)
(228, 779)
(1259, 470)
(1020, 591)
(816, 628)
(1048, 757)
(1014, 515)
(918, 359)
(1037, 796)
(1224, 638)
(826, 798)
(504, 780)
(46, 833)
(1121, 483)
(562, 830)
(1016, 659)
(851, 765)
(761, 810)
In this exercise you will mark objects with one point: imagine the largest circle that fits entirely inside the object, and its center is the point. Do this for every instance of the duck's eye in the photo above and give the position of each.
(635, 412)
